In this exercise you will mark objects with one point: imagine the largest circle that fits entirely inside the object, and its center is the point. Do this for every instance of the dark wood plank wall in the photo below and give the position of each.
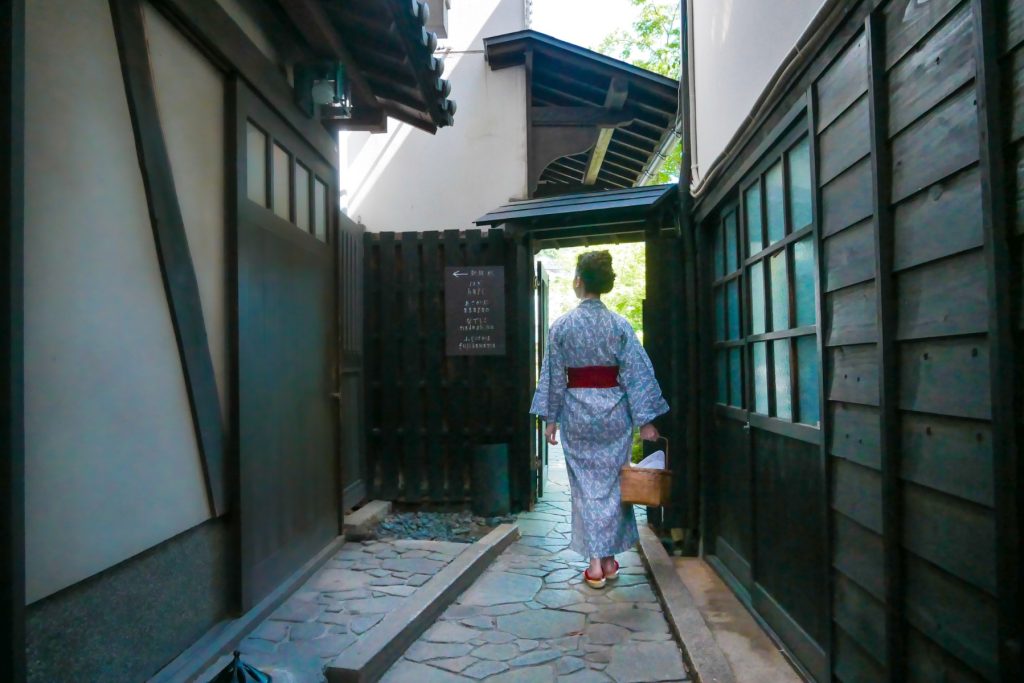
(941, 332)
(923, 587)
(1008, 21)
(941, 405)
(938, 560)
(426, 410)
(850, 329)
(351, 352)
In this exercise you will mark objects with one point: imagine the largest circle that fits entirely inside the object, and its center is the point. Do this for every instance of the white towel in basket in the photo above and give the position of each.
(654, 461)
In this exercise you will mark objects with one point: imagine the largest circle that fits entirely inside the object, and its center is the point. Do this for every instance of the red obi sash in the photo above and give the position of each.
(594, 377)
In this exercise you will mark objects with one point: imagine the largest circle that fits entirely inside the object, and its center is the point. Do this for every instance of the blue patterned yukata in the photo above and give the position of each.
(597, 424)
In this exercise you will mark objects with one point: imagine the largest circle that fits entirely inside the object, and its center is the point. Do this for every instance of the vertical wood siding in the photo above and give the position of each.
(426, 410)
(851, 332)
(938, 276)
(908, 228)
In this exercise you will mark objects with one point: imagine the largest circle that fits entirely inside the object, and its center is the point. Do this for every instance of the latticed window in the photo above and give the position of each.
(771, 270)
(728, 333)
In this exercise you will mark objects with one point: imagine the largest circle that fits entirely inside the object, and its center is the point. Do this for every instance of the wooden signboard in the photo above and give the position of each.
(474, 302)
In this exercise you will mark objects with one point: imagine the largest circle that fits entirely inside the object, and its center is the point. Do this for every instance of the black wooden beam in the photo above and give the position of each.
(221, 38)
(824, 423)
(176, 266)
(12, 436)
(888, 399)
(1004, 370)
(581, 116)
(365, 119)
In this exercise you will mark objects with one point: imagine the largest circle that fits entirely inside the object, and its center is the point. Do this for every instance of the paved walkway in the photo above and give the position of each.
(343, 601)
(531, 619)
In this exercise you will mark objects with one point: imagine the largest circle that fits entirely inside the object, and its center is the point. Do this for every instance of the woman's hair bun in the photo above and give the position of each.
(594, 268)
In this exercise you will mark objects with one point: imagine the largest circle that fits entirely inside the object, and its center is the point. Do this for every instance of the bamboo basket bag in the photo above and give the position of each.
(646, 486)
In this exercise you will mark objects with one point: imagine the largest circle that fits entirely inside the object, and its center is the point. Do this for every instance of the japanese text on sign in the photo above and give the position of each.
(475, 311)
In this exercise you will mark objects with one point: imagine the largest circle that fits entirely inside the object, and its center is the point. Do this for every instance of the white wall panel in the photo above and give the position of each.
(112, 465)
(407, 179)
(191, 101)
(737, 46)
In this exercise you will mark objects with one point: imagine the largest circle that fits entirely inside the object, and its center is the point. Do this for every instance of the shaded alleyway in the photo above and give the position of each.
(530, 618)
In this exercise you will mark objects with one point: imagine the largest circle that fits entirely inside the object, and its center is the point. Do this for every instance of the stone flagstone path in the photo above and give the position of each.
(530, 618)
(343, 601)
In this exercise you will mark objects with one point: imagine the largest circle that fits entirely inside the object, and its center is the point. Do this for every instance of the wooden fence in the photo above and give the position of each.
(426, 410)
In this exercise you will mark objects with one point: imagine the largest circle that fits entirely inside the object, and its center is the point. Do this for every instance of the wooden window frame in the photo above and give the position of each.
(722, 283)
(792, 425)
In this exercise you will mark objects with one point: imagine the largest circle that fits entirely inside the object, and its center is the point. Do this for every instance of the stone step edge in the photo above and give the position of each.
(701, 651)
(225, 636)
(360, 524)
(369, 658)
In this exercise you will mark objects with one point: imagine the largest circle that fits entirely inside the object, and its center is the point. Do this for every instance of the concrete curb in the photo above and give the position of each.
(360, 523)
(369, 659)
(700, 649)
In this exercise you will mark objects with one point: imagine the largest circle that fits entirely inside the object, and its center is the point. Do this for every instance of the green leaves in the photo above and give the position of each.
(653, 43)
(626, 298)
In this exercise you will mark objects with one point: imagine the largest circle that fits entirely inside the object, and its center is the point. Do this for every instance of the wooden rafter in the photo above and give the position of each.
(614, 100)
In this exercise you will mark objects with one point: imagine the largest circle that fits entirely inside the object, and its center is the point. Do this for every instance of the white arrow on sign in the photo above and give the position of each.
(459, 273)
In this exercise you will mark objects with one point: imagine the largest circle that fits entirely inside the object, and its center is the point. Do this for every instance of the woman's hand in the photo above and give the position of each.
(649, 432)
(551, 432)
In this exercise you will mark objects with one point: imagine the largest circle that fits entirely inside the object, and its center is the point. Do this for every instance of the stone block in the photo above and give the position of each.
(360, 523)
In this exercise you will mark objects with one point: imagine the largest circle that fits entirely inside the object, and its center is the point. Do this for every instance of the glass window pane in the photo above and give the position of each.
(774, 198)
(783, 400)
(731, 256)
(256, 165)
(282, 182)
(780, 292)
(735, 377)
(722, 376)
(720, 313)
(732, 294)
(752, 203)
(800, 185)
(320, 209)
(808, 365)
(757, 305)
(803, 282)
(302, 197)
(760, 377)
(719, 253)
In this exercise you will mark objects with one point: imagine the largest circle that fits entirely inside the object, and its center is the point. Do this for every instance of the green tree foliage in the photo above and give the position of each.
(626, 298)
(653, 43)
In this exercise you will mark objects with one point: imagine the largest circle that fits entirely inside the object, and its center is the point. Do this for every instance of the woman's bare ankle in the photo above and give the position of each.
(596, 569)
(608, 565)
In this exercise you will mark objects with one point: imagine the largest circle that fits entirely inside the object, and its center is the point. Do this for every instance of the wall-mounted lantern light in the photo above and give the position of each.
(322, 91)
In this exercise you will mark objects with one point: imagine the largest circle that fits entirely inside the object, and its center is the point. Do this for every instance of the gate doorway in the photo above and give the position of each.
(542, 308)
(642, 214)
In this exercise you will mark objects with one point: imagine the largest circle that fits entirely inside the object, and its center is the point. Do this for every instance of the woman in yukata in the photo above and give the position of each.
(597, 384)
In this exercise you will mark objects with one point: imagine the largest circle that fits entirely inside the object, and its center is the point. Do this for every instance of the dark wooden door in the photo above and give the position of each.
(288, 493)
(762, 447)
(543, 290)
(351, 388)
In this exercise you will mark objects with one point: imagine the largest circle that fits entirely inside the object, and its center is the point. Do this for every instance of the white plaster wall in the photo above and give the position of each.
(408, 179)
(190, 98)
(738, 46)
(112, 466)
